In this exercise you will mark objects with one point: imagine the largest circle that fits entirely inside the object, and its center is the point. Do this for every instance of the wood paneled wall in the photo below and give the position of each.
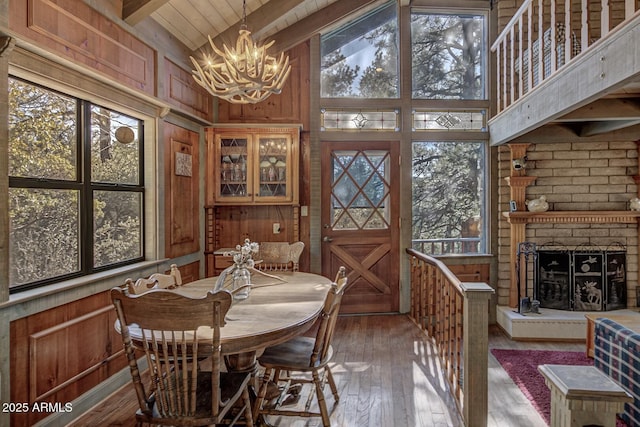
(72, 30)
(58, 354)
(290, 106)
(181, 186)
(183, 92)
(236, 223)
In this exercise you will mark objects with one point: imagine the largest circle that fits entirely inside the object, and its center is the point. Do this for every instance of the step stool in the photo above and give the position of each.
(583, 396)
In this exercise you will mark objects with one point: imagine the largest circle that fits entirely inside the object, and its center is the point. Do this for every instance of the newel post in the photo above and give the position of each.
(476, 353)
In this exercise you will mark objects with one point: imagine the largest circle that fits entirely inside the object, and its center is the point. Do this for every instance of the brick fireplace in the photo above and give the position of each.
(588, 186)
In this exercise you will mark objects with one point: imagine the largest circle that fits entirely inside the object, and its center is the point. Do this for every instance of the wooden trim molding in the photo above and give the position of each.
(573, 217)
(40, 348)
(6, 45)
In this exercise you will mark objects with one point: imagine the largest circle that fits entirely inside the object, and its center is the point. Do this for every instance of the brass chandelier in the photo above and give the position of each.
(244, 75)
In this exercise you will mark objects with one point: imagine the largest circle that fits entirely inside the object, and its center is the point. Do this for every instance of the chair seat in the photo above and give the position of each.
(293, 355)
(307, 355)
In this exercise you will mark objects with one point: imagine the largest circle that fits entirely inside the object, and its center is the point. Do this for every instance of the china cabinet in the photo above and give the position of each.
(252, 165)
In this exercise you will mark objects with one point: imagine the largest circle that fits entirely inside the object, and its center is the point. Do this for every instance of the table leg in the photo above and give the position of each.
(247, 362)
(243, 362)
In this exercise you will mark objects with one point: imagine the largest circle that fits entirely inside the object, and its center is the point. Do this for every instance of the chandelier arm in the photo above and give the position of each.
(246, 74)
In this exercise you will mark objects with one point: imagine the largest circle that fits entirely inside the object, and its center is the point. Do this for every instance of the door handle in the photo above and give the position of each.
(327, 239)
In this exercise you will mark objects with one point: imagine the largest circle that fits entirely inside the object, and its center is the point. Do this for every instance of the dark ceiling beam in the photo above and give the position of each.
(134, 11)
(295, 34)
(566, 132)
(605, 110)
(598, 128)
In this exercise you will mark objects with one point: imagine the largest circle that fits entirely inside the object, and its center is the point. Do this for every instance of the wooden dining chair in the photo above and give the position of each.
(155, 281)
(168, 281)
(279, 256)
(176, 391)
(289, 362)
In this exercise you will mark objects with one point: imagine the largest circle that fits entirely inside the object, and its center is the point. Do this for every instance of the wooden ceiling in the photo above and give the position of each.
(288, 22)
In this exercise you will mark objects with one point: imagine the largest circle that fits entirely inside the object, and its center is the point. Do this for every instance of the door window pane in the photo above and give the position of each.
(448, 54)
(360, 60)
(360, 190)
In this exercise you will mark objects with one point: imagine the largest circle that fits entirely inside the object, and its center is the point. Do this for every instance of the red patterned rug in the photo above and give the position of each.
(522, 367)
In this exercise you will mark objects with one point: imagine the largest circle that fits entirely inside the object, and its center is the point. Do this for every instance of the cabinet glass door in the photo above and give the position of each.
(273, 166)
(233, 167)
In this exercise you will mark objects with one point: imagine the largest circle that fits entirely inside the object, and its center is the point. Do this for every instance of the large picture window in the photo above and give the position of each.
(360, 60)
(76, 187)
(449, 187)
(448, 54)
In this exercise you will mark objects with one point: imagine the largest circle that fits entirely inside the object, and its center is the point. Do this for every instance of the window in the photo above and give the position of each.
(449, 136)
(360, 120)
(448, 54)
(449, 187)
(360, 60)
(76, 187)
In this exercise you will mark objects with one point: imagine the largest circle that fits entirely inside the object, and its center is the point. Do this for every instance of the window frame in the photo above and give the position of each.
(86, 189)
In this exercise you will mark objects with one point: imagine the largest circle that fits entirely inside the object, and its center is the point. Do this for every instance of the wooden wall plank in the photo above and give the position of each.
(183, 92)
(73, 347)
(73, 30)
(182, 214)
(290, 106)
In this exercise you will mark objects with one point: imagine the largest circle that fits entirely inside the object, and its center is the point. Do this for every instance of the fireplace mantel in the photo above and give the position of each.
(573, 217)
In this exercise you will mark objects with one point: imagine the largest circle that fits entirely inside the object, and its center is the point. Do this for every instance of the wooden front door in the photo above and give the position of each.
(360, 204)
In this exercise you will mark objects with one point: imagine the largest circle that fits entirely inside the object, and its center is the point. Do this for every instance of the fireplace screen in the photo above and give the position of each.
(581, 280)
(554, 278)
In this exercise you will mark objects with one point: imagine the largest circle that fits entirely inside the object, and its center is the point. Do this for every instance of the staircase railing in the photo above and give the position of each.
(455, 315)
(568, 28)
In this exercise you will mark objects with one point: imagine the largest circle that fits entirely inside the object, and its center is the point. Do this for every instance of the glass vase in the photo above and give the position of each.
(241, 285)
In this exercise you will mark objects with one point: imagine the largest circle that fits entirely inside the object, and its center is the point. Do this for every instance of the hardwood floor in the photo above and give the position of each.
(387, 375)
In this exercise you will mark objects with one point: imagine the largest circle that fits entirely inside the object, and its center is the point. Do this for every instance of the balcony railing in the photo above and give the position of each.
(455, 315)
(447, 246)
(568, 28)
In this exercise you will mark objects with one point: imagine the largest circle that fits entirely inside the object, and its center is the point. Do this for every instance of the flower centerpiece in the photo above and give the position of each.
(240, 271)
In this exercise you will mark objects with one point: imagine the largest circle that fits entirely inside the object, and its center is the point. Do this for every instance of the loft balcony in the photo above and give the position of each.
(589, 86)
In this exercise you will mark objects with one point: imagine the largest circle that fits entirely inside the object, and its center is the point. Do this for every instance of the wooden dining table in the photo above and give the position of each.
(280, 306)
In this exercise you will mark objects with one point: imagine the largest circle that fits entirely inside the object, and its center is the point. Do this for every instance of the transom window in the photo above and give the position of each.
(76, 187)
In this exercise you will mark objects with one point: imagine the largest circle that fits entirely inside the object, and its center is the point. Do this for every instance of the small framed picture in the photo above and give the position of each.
(512, 206)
